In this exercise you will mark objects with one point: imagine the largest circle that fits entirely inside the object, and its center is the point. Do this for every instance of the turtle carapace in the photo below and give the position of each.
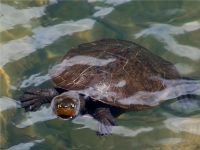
(104, 79)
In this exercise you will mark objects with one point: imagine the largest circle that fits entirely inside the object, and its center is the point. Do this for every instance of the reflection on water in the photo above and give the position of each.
(103, 12)
(7, 103)
(170, 141)
(34, 37)
(41, 37)
(10, 16)
(25, 146)
(178, 124)
(164, 32)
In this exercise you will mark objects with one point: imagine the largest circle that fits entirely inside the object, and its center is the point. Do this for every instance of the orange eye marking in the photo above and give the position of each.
(65, 112)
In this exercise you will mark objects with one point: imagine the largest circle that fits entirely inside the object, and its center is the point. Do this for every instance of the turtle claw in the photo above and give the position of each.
(33, 98)
(106, 121)
(32, 107)
(34, 91)
(104, 130)
(29, 102)
(27, 97)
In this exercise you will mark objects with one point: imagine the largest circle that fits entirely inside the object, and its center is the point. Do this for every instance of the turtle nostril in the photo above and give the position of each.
(59, 106)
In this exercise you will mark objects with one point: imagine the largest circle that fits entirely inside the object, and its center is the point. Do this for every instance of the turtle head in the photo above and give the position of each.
(66, 106)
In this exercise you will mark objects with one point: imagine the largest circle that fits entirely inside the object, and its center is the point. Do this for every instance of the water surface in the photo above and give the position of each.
(34, 35)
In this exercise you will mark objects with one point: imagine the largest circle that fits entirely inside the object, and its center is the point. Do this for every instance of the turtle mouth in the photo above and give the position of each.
(65, 117)
(65, 113)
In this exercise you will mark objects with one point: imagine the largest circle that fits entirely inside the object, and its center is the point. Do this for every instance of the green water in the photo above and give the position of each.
(35, 34)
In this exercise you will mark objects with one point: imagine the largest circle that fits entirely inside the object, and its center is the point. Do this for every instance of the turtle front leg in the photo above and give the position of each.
(33, 98)
(106, 121)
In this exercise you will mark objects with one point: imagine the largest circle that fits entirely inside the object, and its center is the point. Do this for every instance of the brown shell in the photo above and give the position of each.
(115, 72)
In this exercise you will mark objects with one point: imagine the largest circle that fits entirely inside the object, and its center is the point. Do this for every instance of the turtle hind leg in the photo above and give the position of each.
(106, 121)
(33, 98)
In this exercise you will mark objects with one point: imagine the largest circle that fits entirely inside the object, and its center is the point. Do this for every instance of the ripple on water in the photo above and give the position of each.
(165, 32)
(184, 124)
(25, 146)
(184, 131)
(42, 37)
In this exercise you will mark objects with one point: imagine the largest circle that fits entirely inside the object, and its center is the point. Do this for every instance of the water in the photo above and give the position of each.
(35, 34)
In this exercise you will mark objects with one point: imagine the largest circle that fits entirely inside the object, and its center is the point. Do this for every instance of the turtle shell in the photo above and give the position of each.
(116, 72)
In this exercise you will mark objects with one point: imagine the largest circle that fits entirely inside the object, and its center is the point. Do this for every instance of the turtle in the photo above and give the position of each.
(104, 79)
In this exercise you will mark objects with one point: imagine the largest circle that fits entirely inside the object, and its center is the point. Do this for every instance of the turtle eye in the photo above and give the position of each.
(72, 105)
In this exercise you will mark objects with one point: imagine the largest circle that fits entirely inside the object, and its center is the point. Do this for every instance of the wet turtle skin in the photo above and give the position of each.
(104, 79)
(111, 71)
